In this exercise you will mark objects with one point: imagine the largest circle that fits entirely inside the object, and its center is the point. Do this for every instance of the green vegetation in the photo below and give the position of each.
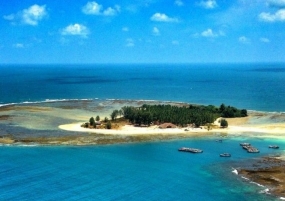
(114, 114)
(92, 121)
(181, 116)
(106, 120)
(195, 115)
(229, 112)
(108, 125)
(224, 123)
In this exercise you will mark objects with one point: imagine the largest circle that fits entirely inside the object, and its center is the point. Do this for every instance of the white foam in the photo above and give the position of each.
(245, 178)
(7, 104)
(45, 101)
(256, 184)
(265, 191)
(235, 171)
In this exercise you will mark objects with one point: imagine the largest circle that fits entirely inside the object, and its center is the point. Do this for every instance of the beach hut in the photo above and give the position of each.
(167, 125)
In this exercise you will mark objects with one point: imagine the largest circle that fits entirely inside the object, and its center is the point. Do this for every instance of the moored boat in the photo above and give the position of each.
(249, 148)
(191, 150)
(252, 150)
(225, 155)
(244, 144)
(273, 146)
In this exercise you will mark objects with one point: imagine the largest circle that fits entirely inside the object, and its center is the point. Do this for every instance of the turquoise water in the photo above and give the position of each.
(146, 171)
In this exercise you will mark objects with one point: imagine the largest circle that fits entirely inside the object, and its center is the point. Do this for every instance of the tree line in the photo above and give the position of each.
(179, 115)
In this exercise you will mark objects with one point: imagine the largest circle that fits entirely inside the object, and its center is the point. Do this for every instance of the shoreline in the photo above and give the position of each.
(273, 130)
(30, 119)
(267, 172)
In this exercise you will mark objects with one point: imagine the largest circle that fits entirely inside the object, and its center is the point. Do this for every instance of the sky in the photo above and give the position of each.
(141, 31)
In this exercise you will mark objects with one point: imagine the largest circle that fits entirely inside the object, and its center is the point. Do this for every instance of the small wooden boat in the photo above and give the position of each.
(225, 155)
(252, 150)
(219, 140)
(191, 150)
(273, 146)
(245, 144)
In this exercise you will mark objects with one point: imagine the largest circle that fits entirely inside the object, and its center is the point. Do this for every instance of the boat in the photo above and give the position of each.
(274, 146)
(225, 155)
(191, 150)
(219, 140)
(249, 148)
(244, 144)
(252, 150)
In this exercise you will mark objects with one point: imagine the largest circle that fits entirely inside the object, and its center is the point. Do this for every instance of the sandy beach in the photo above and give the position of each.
(237, 126)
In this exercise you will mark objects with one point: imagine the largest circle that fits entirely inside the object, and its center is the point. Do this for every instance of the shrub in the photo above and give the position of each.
(108, 125)
(224, 123)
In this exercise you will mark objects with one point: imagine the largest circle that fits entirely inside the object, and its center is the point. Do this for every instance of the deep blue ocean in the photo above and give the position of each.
(142, 171)
(251, 86)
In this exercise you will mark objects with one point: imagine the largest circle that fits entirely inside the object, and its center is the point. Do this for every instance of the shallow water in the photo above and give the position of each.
(146, 171)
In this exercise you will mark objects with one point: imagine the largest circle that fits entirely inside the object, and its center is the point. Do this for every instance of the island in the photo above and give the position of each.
(60, 122)
(168, 116)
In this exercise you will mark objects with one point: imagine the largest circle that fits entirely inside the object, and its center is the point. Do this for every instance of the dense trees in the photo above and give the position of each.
(197, 115)
(229, 112)
(114, 114)
(179, 115)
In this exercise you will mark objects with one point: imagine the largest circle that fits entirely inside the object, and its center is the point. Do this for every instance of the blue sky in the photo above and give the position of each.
(142, 31)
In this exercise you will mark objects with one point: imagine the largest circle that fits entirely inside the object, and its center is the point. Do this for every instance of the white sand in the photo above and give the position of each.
(127, 130)
(266, 130)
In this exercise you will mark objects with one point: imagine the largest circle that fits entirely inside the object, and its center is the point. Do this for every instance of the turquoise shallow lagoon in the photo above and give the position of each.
(145, 171)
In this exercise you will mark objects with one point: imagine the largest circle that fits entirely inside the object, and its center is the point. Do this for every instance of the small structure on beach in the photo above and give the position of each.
(167, 125)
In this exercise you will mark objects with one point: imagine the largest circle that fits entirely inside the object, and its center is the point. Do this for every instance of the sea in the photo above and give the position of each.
(139, 171)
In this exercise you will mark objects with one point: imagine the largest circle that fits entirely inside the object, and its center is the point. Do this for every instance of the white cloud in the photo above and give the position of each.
(9, 17)
(161, 17)
(265, 40)
(277, 16)
(75, 30)
(276, 3)
(126, 29)
(244, 40)
(109, 12)
(34, 14)
(178, 3)
(208, 33)
(209, 4)
(130, 42)
(155, 31)
(93, 8)
(175, 42)
(18, 45)
(29, 16)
